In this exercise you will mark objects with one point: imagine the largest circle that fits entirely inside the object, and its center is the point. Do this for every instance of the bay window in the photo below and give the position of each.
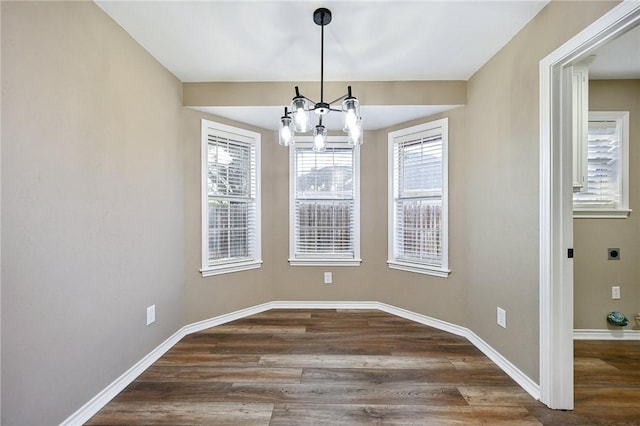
(418, 199)
(324, 204)
(230, 199)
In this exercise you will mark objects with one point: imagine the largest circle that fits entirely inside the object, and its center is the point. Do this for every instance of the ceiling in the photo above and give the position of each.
(365, 41)
(620, 58)
(224, 41)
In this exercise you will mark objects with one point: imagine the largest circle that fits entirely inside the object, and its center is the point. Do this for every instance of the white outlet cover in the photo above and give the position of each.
(501, 317)
(328, 278)
(615, 292)
(151, 314)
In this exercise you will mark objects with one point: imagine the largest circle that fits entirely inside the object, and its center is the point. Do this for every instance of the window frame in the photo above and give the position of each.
(242, 264)
(324, 259)
(622, 211)
(393, 261)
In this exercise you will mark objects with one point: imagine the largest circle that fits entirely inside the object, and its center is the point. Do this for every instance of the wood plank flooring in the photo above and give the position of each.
(341, 367)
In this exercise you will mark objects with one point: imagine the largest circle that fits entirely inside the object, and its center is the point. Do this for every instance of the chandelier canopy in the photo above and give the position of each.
(298, 120)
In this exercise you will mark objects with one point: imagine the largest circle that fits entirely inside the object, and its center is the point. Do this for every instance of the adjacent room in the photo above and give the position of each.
(180, 175)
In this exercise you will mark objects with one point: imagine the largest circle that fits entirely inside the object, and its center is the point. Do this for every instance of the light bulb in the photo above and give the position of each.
(355, 133)
(319, 138)
(351, 109)
(350, 120)
(286, 131)
(301, 119)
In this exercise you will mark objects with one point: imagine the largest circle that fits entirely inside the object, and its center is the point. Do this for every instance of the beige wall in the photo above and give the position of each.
(101, 208)
(92, 195)
(441, 92)
(0, 233)
(373, 280)
(276, 280)
(593, 273)
(216, 295)
(502, 190)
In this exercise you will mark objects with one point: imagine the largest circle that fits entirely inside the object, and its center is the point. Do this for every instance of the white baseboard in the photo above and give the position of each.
(425, 320)
(606, 334)
(531, 387)
(525, 382)
(223, 319)
(292, 304)
(94, 405)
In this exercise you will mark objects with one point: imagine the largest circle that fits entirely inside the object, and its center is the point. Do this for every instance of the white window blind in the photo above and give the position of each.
(418, 231)
(231, 210)
(324, 205)
(606, 190)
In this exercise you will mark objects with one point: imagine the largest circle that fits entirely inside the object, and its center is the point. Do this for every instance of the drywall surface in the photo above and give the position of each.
(91, 207)
(441, 298)
(594, 274)
(208, 297)
(101, 207)
(503, 173)
(441, 92)
(493, 189)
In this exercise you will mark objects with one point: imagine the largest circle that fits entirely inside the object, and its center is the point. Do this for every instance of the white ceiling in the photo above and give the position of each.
(365, 41)
(620, 58)
(201, 41)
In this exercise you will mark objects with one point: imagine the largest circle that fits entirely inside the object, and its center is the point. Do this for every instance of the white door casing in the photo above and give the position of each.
(556, 223)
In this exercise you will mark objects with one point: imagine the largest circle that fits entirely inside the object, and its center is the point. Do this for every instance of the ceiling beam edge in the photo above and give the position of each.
(215, 94)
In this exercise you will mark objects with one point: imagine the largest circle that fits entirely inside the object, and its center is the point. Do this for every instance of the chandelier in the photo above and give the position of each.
(298, 120)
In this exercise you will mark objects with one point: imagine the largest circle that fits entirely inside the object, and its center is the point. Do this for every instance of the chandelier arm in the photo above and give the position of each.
(339, 99)
(311, 102)
(299, 95)
(299, 119)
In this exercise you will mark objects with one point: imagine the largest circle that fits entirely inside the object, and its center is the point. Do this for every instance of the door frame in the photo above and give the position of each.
(556, 223)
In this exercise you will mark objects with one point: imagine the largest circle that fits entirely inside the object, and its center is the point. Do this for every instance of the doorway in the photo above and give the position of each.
(556, 205)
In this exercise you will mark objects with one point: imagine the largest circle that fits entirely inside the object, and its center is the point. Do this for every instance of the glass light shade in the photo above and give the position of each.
(319, 138)
(286, 131)
(355, 133)
(301, 119)
(351, 109)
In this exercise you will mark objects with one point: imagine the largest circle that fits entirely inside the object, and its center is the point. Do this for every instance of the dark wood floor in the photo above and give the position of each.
(328, 367)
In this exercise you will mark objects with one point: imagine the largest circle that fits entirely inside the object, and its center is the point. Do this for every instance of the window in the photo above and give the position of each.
(324, 204)
(230, 199)
(606, 193)
(418, 224)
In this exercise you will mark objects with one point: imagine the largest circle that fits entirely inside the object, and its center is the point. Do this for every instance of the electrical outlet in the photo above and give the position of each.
(328, 278)
(615, 292)
(502, 317)
(151, 314)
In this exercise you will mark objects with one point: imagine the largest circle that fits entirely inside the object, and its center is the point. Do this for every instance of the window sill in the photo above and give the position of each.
(601, 214)
(325, 262)
(230, 267)
(419, 269)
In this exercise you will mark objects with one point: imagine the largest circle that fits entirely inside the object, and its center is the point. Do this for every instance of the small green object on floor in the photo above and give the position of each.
(617, 319)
